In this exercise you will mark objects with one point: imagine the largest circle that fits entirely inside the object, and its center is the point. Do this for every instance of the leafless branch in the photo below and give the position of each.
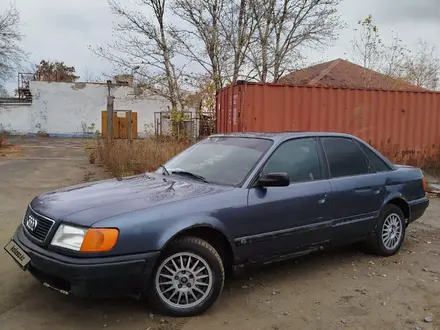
(394, 58)
(203, 38)
(285, 28)
(143, 39)
(237, 27)
(11, 53)
(225, 40)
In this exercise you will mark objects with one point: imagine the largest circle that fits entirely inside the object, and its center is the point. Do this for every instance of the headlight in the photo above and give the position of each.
(69, 237)
(85, 240)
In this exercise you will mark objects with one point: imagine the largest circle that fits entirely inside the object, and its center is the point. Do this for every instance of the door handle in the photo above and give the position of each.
(368, 191)
(363, 191)
(322, 200)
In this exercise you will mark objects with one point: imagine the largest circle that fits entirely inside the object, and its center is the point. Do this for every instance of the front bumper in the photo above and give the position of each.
(85, 277)
(418, 208)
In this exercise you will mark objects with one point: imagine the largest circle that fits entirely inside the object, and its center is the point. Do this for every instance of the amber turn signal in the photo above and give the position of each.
(99, 240)
(425, 185)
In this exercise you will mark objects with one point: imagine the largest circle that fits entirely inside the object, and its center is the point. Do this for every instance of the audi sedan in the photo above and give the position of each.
(226, 202)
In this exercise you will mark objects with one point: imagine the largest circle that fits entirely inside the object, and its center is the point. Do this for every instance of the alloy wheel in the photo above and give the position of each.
(184, 280)
(392, 231)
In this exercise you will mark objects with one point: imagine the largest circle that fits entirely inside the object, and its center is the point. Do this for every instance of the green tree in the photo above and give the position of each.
(55, 72)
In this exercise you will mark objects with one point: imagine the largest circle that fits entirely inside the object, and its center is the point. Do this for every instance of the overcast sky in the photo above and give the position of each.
(62, 29)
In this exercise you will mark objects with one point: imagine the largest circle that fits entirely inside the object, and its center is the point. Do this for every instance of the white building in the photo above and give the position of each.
(73, 109)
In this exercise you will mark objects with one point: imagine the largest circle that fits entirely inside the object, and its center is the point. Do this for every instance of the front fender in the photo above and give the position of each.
(192, 222)
(143, 232)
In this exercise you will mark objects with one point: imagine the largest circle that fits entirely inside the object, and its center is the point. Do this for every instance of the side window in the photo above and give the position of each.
(344, 157)
(378, 164)
(298, 158)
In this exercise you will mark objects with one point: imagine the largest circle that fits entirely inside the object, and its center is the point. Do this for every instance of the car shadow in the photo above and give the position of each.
(78, 313)
(315, 261)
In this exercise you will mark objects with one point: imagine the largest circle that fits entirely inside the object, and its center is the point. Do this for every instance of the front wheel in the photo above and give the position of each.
(188, 278)
(389, 233)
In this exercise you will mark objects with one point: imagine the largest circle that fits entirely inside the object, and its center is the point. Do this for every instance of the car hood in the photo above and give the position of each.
(92, 202)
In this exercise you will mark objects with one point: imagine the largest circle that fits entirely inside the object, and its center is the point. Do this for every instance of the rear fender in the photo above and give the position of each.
(397, 198)
(393, 196)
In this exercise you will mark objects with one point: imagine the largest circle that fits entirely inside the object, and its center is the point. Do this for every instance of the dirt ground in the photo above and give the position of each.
(342, 289)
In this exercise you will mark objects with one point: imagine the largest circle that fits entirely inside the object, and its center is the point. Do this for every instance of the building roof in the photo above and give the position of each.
(340, 73)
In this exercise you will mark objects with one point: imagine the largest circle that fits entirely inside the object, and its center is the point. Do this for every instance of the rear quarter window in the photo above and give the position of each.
(378, 164)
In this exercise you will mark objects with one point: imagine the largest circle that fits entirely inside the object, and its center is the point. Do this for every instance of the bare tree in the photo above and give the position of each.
(201, 40)
(395, 60)
(3, 92)
(263, 14)
(222, 39)
(423, 67)
(11, 53)
(394, 57)
(237, 28)
(92, 77)
(367, 49)
(144, 41)
(372, 53)
(285, 28)
(216, 34)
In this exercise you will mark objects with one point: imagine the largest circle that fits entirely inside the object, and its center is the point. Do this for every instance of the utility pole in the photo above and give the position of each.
(110, 108)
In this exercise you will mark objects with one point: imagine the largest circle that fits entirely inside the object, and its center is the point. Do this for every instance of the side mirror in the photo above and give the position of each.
(274, 180)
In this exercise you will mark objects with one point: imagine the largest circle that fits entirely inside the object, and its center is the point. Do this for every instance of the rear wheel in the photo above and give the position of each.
(188, 278)
(389, 234)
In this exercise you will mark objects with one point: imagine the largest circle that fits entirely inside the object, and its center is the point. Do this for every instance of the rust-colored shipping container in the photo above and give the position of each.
(405, 126)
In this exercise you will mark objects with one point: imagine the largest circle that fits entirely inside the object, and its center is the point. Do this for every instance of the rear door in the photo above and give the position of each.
(357, 191)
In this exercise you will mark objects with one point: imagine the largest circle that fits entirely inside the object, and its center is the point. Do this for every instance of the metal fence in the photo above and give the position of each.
(191, 126)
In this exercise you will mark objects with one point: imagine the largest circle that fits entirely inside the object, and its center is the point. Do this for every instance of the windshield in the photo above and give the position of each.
(225, 161)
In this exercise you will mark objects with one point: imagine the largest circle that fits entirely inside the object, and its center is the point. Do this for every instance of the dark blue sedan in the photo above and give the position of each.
(224, 203)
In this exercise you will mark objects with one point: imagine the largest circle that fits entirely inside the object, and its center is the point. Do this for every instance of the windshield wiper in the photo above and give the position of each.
(192, 175)
(165, 170)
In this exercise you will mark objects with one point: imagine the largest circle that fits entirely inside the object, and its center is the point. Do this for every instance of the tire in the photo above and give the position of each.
(382, 241)
(174, 290)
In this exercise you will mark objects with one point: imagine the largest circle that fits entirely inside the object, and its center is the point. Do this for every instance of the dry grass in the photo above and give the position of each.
(3, 140)
(428, 159)
(9, 150)
(123, 158)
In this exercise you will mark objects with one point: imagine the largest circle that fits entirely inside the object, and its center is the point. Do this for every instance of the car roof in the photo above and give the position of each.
(281, 136)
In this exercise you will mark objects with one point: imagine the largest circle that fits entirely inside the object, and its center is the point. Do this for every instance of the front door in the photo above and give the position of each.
(293, 218)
